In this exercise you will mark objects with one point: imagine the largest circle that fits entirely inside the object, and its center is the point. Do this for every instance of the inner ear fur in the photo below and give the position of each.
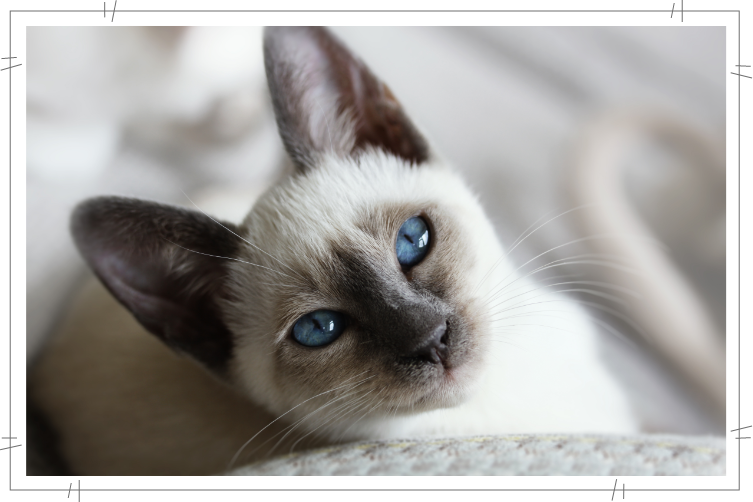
(327, 99)
(148, 256)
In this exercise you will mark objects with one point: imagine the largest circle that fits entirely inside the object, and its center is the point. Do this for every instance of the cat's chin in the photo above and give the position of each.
(453, 387)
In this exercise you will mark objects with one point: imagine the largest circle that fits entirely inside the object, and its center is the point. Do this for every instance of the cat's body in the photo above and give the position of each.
(453, 342)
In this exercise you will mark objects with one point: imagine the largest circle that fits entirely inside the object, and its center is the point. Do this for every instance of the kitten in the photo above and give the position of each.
(365, 296)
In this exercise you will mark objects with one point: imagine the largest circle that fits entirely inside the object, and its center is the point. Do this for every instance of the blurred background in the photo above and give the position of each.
(566, 133)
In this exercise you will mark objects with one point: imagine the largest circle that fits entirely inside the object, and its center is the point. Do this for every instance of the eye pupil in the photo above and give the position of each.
(319, 328)
(413, 242)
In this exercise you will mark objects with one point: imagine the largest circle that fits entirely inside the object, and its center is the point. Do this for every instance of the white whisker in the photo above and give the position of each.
(604, 308)
(575, 241)
(301, 420)
(520, 239)
(241, 238)
(342, 435)
(227, 258)
(499, 288)
(235, 457)
(348, 407)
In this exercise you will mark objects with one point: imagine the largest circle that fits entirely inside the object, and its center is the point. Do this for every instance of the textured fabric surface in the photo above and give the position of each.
(520, 455)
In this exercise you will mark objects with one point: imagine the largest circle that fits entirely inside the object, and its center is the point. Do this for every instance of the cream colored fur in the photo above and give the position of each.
(126, 404)
(516, 358)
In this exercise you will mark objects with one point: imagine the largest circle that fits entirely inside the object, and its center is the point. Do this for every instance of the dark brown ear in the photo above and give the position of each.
(140, 251)
(327, 100)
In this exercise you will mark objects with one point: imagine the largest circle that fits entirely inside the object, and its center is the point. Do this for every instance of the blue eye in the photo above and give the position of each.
(412, 242)
(319, 328)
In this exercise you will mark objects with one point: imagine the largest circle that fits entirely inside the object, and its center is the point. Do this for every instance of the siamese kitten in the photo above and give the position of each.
(365, 296)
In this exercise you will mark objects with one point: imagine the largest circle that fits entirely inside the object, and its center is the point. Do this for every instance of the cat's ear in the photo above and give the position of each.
(327, 100)
(140, 251)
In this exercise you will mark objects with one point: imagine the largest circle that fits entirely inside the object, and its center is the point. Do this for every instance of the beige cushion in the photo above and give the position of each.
(537, 455)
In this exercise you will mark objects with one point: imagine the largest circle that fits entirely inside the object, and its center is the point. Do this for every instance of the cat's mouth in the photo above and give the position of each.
(451, 388)
(446, 383)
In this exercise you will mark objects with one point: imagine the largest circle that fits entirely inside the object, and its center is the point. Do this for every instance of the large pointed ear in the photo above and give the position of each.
(140, 251)
(327, 100)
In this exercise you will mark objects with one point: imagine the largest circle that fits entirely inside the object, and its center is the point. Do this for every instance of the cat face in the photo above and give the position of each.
(413, 338)
(354, 286)
(407, 334)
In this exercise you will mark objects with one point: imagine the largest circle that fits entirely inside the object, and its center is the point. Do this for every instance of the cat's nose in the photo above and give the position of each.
(433, 349)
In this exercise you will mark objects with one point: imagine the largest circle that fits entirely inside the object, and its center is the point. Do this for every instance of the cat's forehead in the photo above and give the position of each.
(352, 195)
